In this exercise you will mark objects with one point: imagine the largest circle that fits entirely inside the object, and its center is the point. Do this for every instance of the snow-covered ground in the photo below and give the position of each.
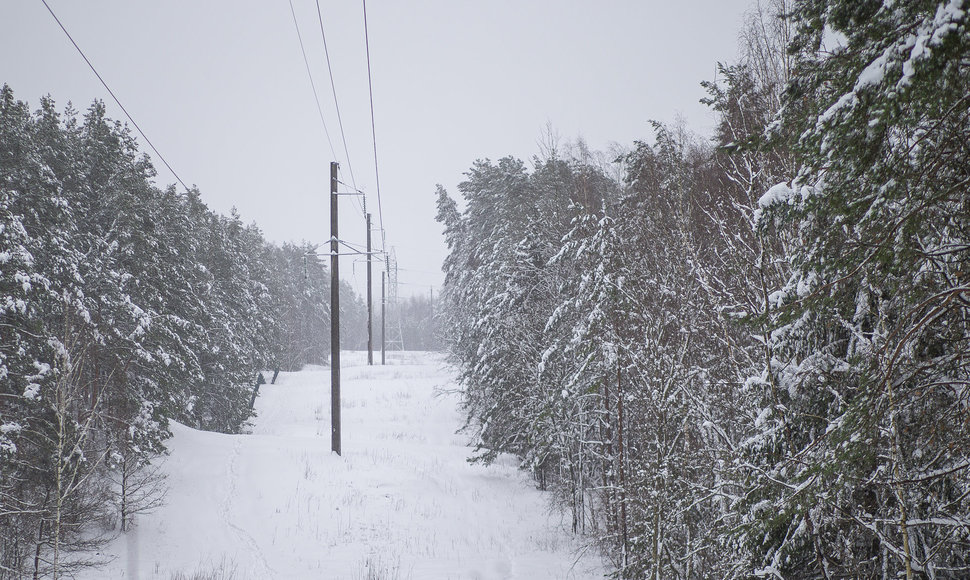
(401, 503)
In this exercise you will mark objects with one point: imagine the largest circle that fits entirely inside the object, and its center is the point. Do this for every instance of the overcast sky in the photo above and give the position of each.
(220, 87)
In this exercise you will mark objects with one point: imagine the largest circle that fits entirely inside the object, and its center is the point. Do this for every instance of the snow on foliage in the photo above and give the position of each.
(751, 360)
(123, 306)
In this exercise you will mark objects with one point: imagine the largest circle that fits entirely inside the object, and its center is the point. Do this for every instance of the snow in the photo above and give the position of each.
(847, 100)
(759, 422)
(32, 392)
(777, 298)
(7, 429)
(776, 194)
(948, 19)
(401, 502)
(873, 74)
(42, 368)
(806, 284)
(23, 279)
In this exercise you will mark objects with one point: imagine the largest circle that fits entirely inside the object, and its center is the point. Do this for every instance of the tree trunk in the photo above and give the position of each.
(619, 403)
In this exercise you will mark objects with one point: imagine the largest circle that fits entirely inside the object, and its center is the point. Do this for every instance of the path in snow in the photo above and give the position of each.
(401, 503)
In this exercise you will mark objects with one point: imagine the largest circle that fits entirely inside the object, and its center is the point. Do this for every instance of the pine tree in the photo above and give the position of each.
(867, 445)
(123, 307)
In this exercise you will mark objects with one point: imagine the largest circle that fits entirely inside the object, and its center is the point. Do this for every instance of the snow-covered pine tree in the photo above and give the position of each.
(29, 205)
(307, 314)
(863, 452)
(122, 307)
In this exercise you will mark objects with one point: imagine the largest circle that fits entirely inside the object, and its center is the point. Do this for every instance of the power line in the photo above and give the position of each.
(316, 96)
(377, 173)
(117, 101)
(360, 207)
(333, 87)
(360, 199)
(336, 104)
(352, 188)
(438, 273)
(416, 284)
(312, 84)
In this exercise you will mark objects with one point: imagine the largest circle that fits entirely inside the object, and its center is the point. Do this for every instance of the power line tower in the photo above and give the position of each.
(395, 338)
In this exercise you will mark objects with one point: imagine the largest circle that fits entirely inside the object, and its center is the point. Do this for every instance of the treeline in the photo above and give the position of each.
(746, 356)
(122, 306)
(413, 325)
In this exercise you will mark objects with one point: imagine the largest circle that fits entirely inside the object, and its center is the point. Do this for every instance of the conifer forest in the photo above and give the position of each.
(737, 355)
(124, 307)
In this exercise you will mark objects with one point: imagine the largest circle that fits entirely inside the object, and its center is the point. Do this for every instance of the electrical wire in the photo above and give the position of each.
(416, 284)
(377, 173)
(358, 210)
(316, 98)
(360, 205)
(352, 188)
(312, 84)
(336, 104)
(359, 197)
(419, 271)
(117, 101)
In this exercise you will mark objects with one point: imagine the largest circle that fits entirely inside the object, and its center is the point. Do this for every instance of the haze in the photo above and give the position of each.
(221, 89)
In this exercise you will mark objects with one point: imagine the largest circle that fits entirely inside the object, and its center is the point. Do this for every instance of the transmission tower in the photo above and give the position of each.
(395, 338)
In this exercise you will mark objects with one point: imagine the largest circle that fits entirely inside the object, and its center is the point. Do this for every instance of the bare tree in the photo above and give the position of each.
(139, 484)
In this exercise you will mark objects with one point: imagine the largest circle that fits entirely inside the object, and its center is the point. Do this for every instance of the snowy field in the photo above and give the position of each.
(401, 503)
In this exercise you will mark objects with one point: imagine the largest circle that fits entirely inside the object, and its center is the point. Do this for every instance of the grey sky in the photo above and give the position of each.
(221, 88)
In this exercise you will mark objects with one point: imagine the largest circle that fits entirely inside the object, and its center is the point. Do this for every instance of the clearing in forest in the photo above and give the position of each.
(401, 503)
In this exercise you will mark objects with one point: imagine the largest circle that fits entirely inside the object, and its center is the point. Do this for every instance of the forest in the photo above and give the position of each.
(735, 355)
(125, 306)
(745, 354)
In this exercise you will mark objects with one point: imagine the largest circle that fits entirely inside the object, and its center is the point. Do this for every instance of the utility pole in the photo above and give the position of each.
(370, 306)
(383, 312)
(334, 317)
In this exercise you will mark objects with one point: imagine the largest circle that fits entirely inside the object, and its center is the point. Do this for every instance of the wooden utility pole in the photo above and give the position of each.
(383, 311)
(334, 317)
(370, 306)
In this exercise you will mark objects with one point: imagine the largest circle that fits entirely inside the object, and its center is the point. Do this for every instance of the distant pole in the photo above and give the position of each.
(334, 317)
(383, 310)
(370, 306)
